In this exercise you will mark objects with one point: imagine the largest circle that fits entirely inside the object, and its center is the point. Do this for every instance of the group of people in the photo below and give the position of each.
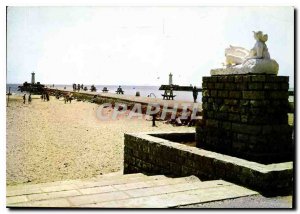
(29, 98)
(77, 87)
(177, 121)
(45, 96)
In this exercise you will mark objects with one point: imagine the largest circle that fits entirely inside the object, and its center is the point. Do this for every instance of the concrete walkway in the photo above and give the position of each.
(124, 191)
(141, 100)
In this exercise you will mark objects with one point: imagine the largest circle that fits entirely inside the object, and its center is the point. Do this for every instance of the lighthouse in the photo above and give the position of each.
(170, 79)
(33, 78)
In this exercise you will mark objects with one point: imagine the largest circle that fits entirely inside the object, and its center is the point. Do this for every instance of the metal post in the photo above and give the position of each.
(8, 96)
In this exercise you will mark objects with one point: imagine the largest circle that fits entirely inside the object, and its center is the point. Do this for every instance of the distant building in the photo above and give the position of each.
(170, 79)
(32, 78)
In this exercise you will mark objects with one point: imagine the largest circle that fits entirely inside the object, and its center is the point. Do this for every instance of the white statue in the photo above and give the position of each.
(241, 61)
(235, 55)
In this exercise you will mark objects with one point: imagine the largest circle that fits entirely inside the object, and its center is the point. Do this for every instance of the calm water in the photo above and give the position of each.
(129, 90)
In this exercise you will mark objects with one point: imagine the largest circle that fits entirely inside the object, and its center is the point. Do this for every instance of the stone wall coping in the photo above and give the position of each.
(262, 168)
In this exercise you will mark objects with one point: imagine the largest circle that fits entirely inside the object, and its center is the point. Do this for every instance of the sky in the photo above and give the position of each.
(138, 45)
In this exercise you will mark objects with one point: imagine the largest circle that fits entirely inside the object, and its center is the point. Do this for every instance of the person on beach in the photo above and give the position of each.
(47, 96)
(153, 116)
(29, 98)
(195, 94)
(24, 98)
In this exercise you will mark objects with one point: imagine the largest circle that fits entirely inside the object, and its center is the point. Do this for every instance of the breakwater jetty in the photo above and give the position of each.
(100, 98)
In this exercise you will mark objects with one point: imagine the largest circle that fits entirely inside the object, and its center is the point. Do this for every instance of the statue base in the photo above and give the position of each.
(251, 66)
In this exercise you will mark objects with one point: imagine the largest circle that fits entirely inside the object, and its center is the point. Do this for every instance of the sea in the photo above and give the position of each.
(145, 91)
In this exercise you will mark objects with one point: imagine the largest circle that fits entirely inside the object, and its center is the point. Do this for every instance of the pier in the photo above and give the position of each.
(130, 99)
(178, 88)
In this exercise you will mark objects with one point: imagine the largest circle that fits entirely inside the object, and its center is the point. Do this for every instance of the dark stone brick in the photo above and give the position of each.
(255, 86)
(235, 94)
(258, 78)
(205, 93)
(266, 102)
(279, 95)
(244, 118)
(238, 146)
(205, 79)
(224, 108)
(221, 115)
(234, 109)
(212, 123)
(230, 78)
(283, 78)
(213, 93)
(242, 86)
(273, 78)
(223, 94)
(282, 128)
(272, 86)
(231, 102)
(246, 78)
(266, 129)
(204, 85)
(270, 111)
(210, 106)
(242, 137)
(215, 107)
(257, 103)
(226, 125)
(234, 117)
(254, 95)
(219, 101)
(256, 111)
(246, 129)
(210, 115)
(214, 79)
(244, 102)
(223, 78)
(284, 86)
(226, 79)
(238, 78)
(219, 85)
(210, 100)
(210, 85)
(230, 86)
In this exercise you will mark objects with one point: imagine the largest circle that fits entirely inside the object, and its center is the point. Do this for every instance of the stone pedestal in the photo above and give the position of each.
(246, 116)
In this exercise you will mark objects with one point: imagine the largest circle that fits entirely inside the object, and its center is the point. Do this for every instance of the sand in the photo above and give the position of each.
(50, 141)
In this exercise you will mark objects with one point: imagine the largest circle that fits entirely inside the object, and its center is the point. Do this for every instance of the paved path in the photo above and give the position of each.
(124, 191)
(256, 201)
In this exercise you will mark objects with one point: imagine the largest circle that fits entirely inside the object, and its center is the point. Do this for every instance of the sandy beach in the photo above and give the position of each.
(50, 141)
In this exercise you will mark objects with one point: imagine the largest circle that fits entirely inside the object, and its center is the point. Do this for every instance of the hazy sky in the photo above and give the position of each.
(138, 45)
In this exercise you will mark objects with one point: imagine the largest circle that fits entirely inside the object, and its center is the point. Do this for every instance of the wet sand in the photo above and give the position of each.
(50, 141)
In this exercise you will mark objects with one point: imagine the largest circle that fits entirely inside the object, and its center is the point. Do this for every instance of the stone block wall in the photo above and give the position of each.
(148, 154)
(246, 116)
